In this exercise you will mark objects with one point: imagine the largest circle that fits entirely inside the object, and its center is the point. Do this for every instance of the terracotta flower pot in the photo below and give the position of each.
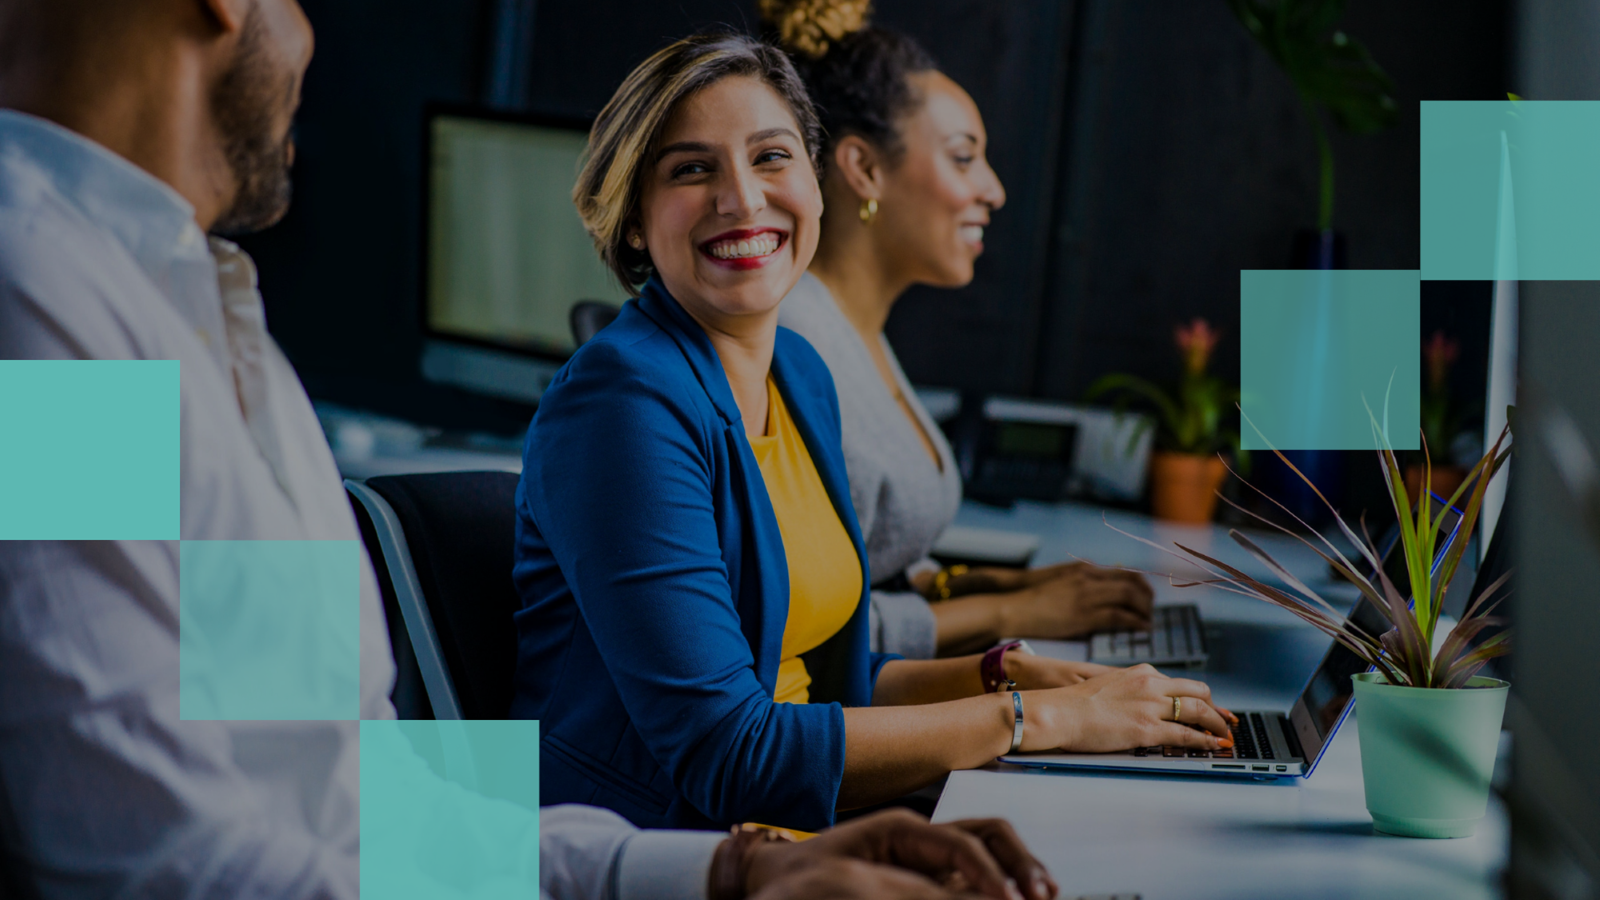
(1445, 480)
(1183, 486)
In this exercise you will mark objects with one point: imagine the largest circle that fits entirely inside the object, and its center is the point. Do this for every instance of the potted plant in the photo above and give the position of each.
(1331, 71)
(1442, 417)
(1430, 726)
(1185, 470)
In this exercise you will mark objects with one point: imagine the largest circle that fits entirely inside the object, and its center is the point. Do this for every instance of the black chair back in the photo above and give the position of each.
(588, 317)
(459, 527)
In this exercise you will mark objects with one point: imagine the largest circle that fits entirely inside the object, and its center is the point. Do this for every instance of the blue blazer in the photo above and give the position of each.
(655, 589)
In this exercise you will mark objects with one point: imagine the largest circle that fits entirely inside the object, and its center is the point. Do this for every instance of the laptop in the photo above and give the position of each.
(1269, 743)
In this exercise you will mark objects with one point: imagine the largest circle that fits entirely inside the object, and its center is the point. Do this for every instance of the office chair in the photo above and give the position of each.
(409, 694)
(443, 543)
(588, 317)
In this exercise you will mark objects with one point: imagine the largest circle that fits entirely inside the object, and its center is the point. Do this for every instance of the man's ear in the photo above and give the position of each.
(861, 165)
(227, 15)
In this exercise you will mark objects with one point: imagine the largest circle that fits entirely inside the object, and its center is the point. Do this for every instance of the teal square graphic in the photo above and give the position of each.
(1510, 190)
(269, 630)
(1319, 348)
(449, 809)
(88, 450)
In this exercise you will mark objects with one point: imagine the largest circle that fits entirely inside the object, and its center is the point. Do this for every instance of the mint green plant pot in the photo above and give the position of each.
(1427, 754)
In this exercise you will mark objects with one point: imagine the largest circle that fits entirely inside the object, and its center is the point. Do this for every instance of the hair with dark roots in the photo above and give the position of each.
(856, 72)
(625, 134)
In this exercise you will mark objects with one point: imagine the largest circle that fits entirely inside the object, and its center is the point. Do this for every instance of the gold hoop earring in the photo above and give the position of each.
(869, 209)
(636, 242)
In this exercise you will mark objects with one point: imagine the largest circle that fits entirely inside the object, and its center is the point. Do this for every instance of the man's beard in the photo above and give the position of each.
(245, 105)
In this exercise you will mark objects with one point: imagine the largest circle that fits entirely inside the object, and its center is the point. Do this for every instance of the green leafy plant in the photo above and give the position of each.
(1190, 418)
(1329, 70)
(1403, 653)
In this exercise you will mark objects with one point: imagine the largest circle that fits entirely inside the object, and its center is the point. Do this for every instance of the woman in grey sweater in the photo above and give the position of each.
(908, 193)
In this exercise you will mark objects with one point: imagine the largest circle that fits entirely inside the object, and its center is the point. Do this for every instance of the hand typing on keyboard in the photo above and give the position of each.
(1074, 600)
(1124, 709)
(1249, 742)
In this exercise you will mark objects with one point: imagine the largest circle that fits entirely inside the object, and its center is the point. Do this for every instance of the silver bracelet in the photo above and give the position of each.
(1016, 729)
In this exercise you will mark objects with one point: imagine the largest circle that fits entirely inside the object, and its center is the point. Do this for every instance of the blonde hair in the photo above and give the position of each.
(609, 185)
(808, 26)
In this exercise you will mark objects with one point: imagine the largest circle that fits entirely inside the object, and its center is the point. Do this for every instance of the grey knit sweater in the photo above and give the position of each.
(902, 499)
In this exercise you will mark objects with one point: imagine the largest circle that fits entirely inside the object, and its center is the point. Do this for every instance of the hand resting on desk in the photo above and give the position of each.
(898, 854)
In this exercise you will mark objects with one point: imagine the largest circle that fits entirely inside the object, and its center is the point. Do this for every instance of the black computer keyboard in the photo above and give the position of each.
(1250, 741)
(1176, 637)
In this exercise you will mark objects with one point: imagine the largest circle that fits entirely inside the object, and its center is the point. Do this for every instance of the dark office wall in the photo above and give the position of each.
(1190, 158)
(1149, 150)
(340, 273)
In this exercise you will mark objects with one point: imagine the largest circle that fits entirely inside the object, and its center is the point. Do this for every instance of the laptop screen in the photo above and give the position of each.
(1327, 695)
(1329, 689)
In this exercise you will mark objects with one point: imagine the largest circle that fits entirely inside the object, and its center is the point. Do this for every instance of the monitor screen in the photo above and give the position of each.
(507, 255)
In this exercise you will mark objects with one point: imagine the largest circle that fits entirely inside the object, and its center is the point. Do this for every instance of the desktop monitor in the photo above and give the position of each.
(505, 255)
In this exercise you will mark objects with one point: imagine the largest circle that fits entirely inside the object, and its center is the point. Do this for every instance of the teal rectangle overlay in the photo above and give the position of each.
(89, 450)
(449, 809)
(1510, 190)
(269, 630)
(1317, 348)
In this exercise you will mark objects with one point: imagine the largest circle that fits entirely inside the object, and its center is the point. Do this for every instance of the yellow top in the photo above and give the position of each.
(824, 570)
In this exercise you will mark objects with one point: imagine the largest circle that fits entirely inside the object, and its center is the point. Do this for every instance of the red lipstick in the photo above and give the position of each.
(743, 249)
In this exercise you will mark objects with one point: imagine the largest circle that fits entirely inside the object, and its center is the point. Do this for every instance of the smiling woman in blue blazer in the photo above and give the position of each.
(693, 632)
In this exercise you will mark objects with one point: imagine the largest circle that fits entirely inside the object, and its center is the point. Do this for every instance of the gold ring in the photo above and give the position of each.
(1177, 709)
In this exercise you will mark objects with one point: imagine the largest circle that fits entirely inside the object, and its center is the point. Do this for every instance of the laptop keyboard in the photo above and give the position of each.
(1250, 741)
(1174, 635)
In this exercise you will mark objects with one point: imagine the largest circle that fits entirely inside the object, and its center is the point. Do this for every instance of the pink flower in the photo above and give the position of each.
(1196, 340)
(1439, 352)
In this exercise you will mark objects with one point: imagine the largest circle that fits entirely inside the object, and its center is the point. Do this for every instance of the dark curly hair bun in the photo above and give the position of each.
(856, 72)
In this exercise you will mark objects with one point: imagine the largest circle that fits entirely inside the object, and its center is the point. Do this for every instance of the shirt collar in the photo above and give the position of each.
(142, 212)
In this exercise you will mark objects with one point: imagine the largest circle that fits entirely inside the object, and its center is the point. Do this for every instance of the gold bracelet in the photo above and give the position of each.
(941, 581)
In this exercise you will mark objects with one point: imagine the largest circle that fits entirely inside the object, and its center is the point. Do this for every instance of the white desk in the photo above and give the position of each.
(1184, 837)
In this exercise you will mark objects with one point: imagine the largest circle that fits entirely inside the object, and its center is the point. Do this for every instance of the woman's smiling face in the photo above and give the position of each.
(730, 206)
(938, 196)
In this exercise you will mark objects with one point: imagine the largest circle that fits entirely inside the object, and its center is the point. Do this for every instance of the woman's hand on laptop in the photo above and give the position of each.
(1123, 709)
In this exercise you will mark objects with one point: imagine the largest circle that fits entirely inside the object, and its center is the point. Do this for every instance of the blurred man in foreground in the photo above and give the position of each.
(132, 134)
(129, 131)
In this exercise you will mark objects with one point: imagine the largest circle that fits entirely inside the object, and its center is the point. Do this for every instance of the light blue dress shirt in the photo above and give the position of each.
(105, 791)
